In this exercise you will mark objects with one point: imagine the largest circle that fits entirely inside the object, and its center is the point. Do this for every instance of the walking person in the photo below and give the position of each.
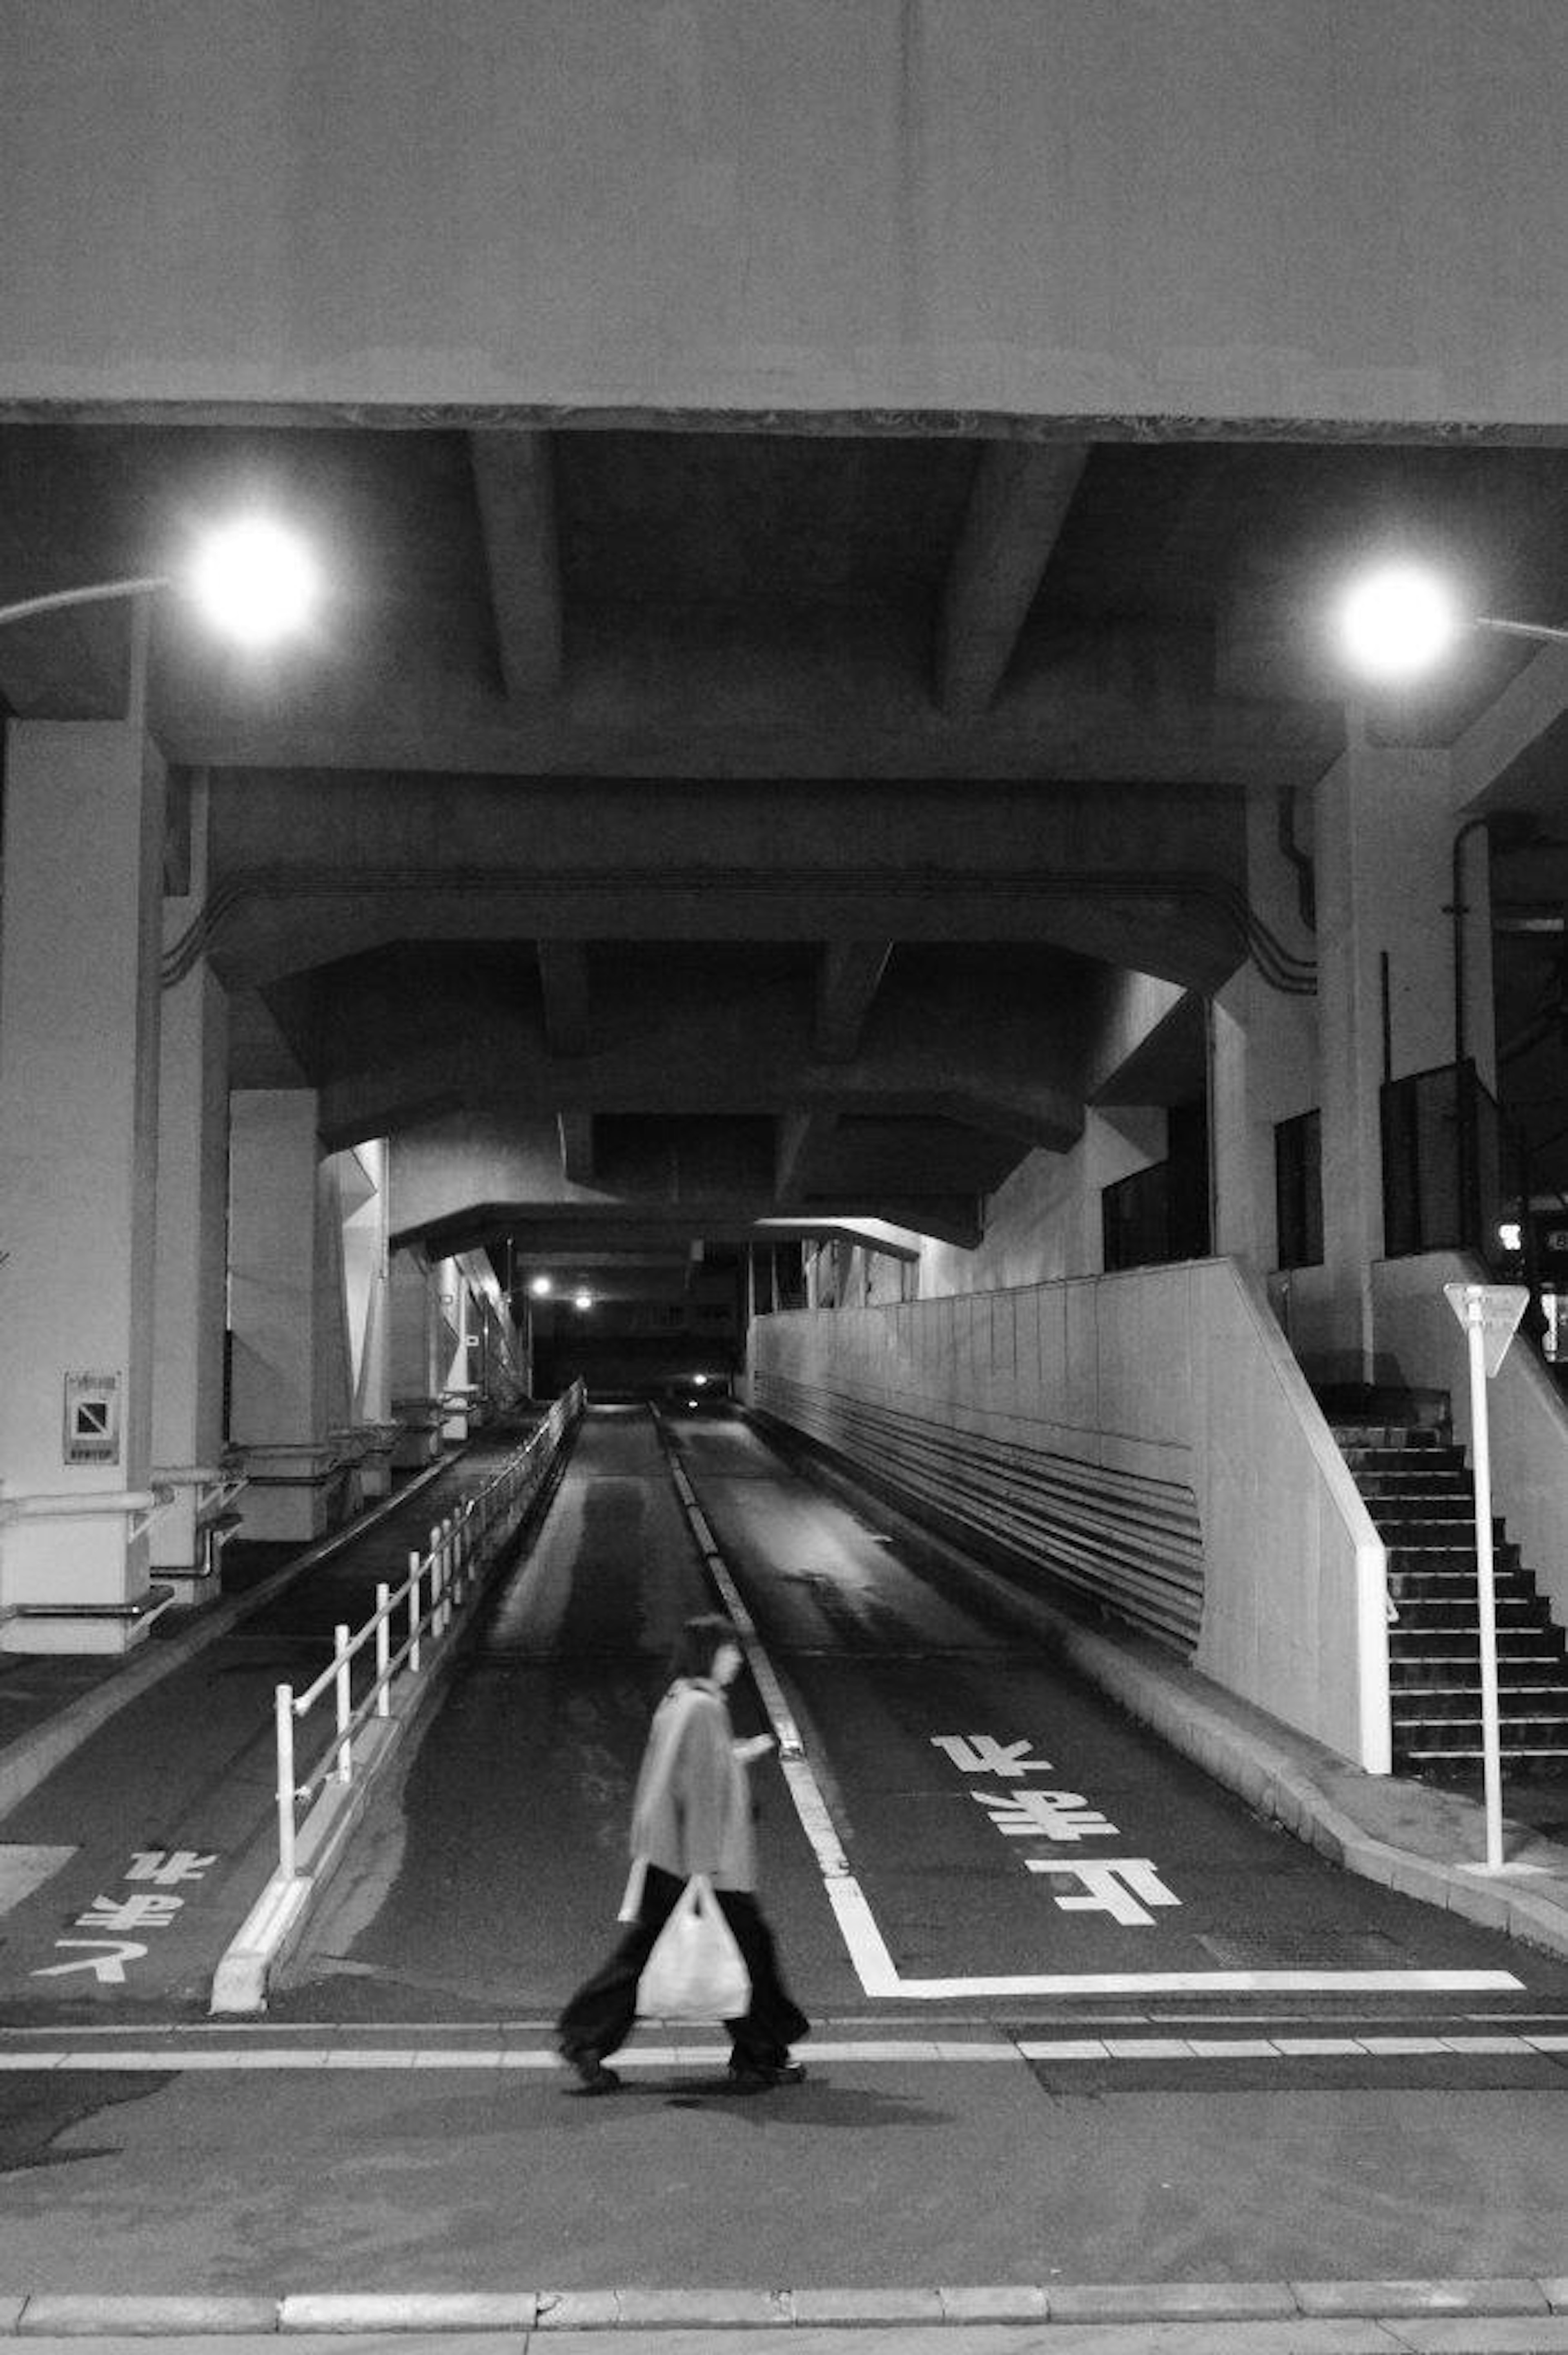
(692, 1814)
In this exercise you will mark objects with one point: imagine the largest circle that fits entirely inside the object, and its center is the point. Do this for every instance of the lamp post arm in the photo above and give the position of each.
(1522, 629)
(97, 594)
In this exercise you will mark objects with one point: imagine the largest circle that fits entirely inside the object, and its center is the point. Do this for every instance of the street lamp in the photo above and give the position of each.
(1401, 620)
(253, 578)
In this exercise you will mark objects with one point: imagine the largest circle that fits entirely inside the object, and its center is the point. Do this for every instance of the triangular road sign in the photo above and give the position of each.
(1496, 1308)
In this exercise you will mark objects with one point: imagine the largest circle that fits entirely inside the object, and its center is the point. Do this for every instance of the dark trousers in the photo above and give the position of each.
(601, 2014)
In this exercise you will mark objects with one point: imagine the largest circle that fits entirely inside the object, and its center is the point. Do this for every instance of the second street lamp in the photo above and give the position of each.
(1401, 620)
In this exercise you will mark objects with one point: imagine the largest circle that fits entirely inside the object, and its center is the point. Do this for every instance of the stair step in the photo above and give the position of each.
(1515, 1644)
(1368, 1455)
(1546, 1752)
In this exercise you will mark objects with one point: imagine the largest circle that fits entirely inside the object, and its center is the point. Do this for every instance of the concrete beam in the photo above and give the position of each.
(540, 1232)
(1142, 874)
(577, 1146)
(562, 978)
(1018, 504)
(659, 692)
(800, 1137)
(848, 978)
(515, 484)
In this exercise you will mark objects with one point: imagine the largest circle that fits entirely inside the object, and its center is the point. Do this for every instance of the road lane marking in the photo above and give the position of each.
(869, 1951)
(1108, 1983)
(867, 1948)
(24, 1869)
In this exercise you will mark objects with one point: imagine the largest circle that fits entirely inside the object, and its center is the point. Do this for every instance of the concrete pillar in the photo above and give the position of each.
(414, 1384)
(1262, 1047)
(287, 1385)
(189, 1305)
(1385, 828)
(452, 1303)
(359, 1182)
(79, 1090)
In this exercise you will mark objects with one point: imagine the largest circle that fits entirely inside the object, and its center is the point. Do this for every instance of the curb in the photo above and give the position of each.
(27, 1762)
(1258, 1769)
(75, 2314)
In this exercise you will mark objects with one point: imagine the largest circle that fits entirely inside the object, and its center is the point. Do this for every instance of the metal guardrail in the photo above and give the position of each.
(440, 1581)
(139, 1508)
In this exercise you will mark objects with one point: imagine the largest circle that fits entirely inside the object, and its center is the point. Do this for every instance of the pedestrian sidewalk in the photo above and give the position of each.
(157, 1769)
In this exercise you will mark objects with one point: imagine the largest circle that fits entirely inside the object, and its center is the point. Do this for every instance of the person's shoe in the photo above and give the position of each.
(592, 2074)
(747, 2079)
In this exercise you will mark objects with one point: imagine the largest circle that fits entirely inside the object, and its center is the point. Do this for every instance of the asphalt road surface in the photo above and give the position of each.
(1139, 2108)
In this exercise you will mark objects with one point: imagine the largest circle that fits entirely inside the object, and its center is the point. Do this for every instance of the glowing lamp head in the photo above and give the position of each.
(1397, 622)
(582, 1300)
(541, 1286)
(254, 580)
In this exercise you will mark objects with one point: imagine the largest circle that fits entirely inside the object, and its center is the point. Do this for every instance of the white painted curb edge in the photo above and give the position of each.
(61, 2315)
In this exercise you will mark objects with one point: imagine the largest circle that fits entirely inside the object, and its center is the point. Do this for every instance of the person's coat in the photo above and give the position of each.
(691, 1812)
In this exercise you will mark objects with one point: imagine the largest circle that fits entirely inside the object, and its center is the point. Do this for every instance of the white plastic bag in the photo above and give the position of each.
(695, 1971)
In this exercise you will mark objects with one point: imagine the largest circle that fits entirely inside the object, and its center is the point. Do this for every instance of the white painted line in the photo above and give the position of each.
(1307, 2048)
(371, 2057)
(491, 2059)
(1486, 2044)
(1548, 2043)
(1144, 1983)
(24, 1869)
(863, 1941)
(1149, 2048)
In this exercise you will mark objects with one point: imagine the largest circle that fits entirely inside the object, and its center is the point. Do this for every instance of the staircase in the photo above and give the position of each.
(1417, 1489)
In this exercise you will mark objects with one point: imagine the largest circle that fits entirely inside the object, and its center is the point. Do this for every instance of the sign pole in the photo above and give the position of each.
(1490, 1314)
(1486, 1587)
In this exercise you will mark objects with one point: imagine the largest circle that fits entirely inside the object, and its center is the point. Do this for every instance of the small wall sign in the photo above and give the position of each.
(91, 1419)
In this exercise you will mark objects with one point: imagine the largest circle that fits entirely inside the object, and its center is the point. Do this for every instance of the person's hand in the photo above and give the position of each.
(756, 1745)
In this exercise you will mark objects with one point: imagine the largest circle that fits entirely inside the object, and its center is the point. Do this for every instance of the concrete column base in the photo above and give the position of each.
(293, 1492)
(419, 1440)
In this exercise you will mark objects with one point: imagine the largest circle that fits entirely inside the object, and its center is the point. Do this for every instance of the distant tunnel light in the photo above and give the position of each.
(255, 581)
(541, 1286)
(1398, 622)
(582, 1300)
(699, 1381)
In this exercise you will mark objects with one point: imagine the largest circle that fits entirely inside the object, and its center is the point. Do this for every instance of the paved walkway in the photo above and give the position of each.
(139, 1822)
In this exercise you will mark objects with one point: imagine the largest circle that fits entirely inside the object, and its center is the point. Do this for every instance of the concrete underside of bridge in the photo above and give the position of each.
(819, 730)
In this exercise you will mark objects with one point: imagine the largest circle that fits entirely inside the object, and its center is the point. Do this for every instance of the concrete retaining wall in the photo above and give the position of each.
(1145, 1441)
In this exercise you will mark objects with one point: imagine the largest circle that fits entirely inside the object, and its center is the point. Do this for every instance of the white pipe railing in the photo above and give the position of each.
(140, 1507)
(461, 1547)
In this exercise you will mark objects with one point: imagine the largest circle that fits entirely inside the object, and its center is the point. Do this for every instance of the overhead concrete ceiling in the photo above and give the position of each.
(668, 829)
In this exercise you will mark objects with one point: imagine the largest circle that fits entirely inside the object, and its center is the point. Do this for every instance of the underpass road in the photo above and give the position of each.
(932, 1720)
(395, 2122)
